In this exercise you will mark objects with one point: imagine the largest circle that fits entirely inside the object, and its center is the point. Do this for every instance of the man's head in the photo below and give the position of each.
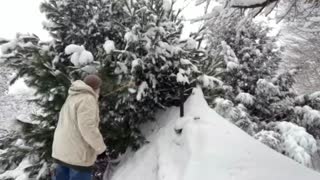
(94, 82)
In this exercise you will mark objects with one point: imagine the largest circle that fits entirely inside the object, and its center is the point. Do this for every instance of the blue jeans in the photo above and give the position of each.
(65, 173)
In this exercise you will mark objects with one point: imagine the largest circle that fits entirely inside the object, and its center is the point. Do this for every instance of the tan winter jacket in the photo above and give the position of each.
(77, 139)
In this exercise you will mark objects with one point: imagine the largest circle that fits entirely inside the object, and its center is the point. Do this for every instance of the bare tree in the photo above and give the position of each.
(304, 13)
(302, 51)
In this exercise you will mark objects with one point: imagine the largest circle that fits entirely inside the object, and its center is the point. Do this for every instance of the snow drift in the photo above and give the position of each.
(205, 146)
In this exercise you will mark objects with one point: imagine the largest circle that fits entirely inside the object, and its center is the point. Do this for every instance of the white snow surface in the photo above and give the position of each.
(209, 147)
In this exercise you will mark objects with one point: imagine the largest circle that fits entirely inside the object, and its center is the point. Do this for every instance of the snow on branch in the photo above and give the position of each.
(79, 55)
(9, 46)
(267, 88)
(19, 172)
(251, 3)
(182, 77)
(245, 98)
(309, 30)
(229, 57)
(310, 116)
(109, 46)
(315, 95)
(141, 90)
(209, 81)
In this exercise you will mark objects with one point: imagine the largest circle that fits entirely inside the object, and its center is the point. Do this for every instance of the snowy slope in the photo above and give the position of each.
(208, 148)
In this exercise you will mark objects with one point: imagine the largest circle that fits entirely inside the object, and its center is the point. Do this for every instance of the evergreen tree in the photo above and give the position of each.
(32, 146)
(307, 108)
(250, 75)
(256, 95)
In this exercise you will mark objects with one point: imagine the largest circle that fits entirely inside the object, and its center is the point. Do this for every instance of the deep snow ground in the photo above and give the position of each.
(209, 147)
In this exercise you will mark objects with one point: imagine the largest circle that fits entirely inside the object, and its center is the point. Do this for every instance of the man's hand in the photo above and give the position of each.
(102, 155)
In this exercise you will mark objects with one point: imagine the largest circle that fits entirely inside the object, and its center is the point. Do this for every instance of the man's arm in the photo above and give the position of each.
(88, 124)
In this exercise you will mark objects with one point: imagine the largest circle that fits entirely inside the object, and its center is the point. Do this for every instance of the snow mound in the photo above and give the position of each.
(205, 146)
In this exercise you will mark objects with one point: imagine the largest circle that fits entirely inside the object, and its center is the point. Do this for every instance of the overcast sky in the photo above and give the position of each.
(24, 16)
(21, 16)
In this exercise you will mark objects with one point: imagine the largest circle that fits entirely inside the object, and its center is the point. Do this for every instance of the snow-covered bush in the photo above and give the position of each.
(245, 98)
(309, 116)
(270, 138)
(225, 108)
(236, 114)
(289, 139)
(266, 88)
(297, 143)
(307, 109)
(249, 67)
(230, 57)
(258, 92)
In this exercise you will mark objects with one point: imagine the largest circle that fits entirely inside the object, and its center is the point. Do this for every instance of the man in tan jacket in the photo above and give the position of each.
(77, 139)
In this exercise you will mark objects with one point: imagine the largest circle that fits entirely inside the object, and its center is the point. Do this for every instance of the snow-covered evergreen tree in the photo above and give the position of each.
(255, 93)
(290, 139)
(308, 111)
(250, 67)
(32, 146)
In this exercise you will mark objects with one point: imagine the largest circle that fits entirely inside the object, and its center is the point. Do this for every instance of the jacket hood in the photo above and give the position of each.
(79, 87)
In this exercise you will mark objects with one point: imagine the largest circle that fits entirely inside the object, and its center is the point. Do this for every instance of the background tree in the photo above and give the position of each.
(292, 11)
(257, 95)
(302, 53)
